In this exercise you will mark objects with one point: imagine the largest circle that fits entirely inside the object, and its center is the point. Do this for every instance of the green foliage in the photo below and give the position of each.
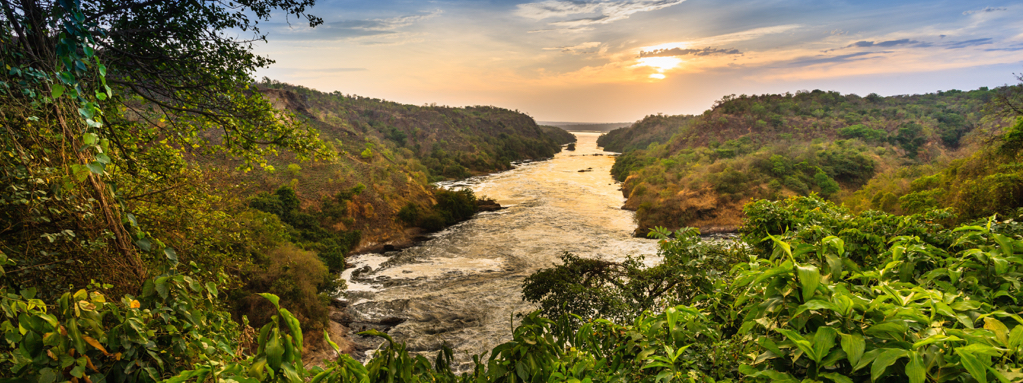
(298, 277)
(651, 129)
(691, 177)
(865, 133)
(174, 324)
(309, 227)
(449, 142)
(915, 312)
(590, 288)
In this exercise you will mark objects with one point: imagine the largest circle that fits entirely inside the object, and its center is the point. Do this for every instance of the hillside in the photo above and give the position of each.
(705, 168)
(388, 153)
(651, 129)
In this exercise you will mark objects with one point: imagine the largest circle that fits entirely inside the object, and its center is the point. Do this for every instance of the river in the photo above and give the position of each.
(463, 286)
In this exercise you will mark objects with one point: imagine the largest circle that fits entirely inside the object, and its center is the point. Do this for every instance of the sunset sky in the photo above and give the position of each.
(617, 61)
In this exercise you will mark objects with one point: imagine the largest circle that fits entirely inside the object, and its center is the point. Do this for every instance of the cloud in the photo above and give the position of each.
(584, 48)
(750, 34)
(858, 56)
(578, 15)
(887, 44)
(985, 10)
(968, 43)
(369, 31)
(708, 51)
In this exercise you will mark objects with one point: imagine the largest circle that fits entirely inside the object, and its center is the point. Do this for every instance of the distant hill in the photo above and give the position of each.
(388, 155)
(586, 126)
(700, 170)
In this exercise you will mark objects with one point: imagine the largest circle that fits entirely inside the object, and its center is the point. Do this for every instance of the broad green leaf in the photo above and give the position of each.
(997, 327)
(867, 358)
(161, 287)
(212, 289)
(295, 327)
(936, 338)
(274, 350)
(273, 299)
(885, 359)
(171, 255)
(96, 167)
(915, 369)
(973, 365)
(823, 341)
(800, 342)
(816, 304)
(769, 344)
(809, 278)
(853, 346)
(891, 330)
(1016, 337)
(56, 90)
(836, 377)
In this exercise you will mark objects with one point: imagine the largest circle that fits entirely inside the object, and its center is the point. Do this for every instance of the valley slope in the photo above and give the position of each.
(700, 170)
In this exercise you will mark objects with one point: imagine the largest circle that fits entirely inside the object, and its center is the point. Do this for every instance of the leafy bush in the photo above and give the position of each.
(299, 277)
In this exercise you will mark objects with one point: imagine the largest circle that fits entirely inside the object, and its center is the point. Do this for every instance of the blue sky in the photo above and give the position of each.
(611, 61)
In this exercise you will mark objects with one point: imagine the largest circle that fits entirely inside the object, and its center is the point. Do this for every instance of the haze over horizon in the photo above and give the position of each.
(617, 61)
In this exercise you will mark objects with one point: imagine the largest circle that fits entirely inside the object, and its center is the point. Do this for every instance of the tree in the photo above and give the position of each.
(102, 102)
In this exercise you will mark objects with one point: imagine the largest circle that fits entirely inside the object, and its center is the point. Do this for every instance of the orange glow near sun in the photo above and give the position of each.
(661, 64)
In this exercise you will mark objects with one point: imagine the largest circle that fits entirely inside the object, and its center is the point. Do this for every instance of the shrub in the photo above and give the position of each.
(298, 276)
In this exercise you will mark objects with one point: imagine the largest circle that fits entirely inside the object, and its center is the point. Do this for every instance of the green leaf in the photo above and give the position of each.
(172, 255)
(1016, 337)
(161, 287)
(915, 369)
(144, 244)
(809, 278)
(333, 345)
(56, 90)
(90, 139)
(274, 350)
(769, 344)
(212, 289)
(997, 327)
(96, 167)
(936, 338)
(867, 357)
(836, 377)
(973, 365)
(823, 341)
(270, 297)
(887, 358)
(800, 342)
(296, 330)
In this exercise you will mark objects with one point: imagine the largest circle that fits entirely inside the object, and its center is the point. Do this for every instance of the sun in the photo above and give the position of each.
(661, 64)
(657, 76)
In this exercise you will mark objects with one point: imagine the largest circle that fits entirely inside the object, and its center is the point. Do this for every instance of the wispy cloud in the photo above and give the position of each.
(985, 10)
(886, 44)
(858, 56)
(581, 15)
(708, 51)
(729, 38)
(584, 48)
(968, 43)
(385, 31)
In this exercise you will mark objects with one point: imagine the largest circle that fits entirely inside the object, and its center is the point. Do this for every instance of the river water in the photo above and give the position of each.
(463, 286)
